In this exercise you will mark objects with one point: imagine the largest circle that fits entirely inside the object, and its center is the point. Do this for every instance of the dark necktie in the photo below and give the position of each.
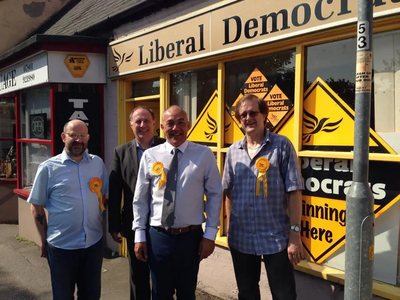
(168, 212)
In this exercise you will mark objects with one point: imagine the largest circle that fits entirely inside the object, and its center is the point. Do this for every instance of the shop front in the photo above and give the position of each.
(39, 93)
(301, 59)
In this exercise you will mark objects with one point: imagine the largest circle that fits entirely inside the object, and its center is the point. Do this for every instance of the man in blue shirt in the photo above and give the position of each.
(69, 186)
(263, 184)
(172, 181)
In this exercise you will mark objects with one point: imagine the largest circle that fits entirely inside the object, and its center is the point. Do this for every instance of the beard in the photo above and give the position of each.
(75, 151)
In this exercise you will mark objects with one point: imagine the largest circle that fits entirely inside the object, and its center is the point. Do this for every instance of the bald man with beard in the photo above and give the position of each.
(72, 236)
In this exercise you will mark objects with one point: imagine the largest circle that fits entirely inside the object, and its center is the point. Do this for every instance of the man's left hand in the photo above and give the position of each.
(295, 248)
(206, 248)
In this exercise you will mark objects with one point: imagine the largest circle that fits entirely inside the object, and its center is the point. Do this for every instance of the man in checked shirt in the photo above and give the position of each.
(262, 183)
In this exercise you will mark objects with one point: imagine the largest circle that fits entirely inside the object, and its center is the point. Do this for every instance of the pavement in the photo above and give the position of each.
(24, 275)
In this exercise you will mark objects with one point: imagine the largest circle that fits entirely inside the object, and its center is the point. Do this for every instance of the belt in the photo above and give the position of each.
(178, 230)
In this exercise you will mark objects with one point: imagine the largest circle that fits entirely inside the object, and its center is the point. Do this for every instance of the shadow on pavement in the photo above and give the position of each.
(11, 290)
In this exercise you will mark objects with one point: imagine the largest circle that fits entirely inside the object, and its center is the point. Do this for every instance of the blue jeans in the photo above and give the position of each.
(81, 267)
(279, 270)
(174, 263)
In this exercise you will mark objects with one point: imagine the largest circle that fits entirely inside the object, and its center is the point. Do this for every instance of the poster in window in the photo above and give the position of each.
(37, 126)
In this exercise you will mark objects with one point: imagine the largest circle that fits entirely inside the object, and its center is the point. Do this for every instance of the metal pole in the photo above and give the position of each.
(359, 200)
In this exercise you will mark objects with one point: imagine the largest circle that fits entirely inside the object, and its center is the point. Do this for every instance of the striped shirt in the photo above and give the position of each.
(260, 225)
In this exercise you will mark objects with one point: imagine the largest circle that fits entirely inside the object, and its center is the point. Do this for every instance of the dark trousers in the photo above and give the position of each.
(81, 267)
(138, 272)
(279, 270)
(174, 263)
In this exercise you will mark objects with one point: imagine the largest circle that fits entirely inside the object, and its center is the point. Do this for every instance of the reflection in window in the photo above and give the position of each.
(335, 63)
(33, 154)
(8, 161)
(35, 114)
(145, 88)
(7, 118)
(191, 90)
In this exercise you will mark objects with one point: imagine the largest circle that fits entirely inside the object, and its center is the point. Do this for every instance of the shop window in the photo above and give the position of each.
(7, 138)
(33, 154)
(145, 88)
(193, 89)
(35, 114)
(270, 77)
(335, 63)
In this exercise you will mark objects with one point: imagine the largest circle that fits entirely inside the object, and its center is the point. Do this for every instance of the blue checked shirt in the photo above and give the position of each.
(259, 225)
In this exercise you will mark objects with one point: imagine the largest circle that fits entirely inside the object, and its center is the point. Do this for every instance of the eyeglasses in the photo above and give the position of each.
(76, 136)
(251, 114)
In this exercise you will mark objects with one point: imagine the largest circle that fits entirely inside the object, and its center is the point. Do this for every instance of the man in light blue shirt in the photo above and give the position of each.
(176, 244)
(72, 237)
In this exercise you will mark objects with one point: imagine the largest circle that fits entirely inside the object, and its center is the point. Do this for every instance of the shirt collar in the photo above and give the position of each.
(65, 156)
(181, 148)
(266, 139)
(138, 145)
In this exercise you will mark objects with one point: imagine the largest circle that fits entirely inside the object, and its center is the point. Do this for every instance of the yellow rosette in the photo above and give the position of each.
(262, 165)
(158, 170)
(95, 186)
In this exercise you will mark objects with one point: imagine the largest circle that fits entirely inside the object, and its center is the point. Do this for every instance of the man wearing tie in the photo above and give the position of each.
(123, 175)
(172, 181)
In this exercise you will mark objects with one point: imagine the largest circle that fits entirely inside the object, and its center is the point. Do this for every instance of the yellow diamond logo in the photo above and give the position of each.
(77, 65)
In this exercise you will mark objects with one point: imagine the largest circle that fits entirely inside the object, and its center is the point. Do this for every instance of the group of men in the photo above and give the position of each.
(163, 183)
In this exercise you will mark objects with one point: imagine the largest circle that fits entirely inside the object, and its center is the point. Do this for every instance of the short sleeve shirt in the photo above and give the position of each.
(260, 225)
(63, 187)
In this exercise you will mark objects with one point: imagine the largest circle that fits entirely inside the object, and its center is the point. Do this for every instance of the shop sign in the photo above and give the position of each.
(77, 65)
(84, 106)
(235, 26)
(30, 72)
(323, 209)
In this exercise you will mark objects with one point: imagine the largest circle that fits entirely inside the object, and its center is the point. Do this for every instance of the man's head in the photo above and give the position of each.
(252, 113)
(142, 122)
(75, 137)
(175, 125)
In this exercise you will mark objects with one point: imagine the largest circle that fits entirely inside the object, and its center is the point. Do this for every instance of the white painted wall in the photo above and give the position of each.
(111, 137)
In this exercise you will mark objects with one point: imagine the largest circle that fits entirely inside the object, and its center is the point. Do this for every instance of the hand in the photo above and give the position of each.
(116, 238)
(206, 248)
(43, 248)
(141, 251)
(105, 201)
(295, 248)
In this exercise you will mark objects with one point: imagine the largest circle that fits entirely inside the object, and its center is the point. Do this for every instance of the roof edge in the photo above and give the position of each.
(43, 38)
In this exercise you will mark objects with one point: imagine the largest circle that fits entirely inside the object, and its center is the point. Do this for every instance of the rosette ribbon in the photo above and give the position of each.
(95, 186)
(158, 170)
(262, 165)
